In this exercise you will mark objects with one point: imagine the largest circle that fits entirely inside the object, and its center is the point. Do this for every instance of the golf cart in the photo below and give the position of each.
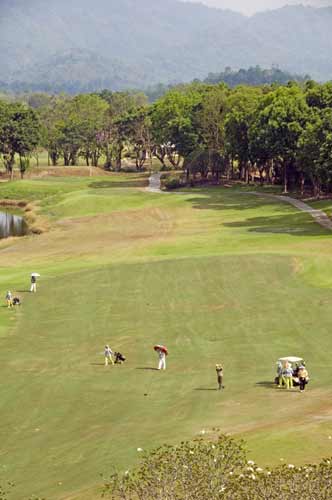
(295, 362)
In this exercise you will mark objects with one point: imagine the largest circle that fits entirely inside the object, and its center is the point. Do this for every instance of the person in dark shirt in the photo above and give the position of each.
(33, 287)
(220, 374)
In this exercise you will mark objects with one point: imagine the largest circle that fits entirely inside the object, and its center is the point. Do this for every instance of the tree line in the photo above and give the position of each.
(272, 133)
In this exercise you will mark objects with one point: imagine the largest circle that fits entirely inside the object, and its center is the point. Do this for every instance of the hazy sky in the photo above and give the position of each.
(251, 6)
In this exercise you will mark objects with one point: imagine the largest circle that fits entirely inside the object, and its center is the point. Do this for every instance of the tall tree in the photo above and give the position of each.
(279, 122)
(19, 134)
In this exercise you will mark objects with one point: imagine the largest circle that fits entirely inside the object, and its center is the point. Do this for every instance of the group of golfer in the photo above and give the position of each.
(287, 376)
(12, 301)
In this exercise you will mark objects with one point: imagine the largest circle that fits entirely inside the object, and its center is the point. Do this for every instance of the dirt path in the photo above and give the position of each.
(318, 215)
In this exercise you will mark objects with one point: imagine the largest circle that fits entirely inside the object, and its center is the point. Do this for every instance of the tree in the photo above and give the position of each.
(73, 127)
(19, 134)
(280, 120)
(243, 103)
(315, 150)
(173, 127)
(122, 107)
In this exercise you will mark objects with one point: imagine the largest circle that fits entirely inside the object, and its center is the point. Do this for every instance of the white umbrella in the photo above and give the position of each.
(35, 275)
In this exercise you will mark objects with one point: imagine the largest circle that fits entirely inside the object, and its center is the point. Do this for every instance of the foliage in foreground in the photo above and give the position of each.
(217, 470)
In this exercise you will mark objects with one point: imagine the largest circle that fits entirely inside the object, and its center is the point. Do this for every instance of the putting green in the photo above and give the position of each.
(215, 274)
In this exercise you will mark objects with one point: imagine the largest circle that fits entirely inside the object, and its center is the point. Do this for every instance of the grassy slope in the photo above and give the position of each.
(214, 274)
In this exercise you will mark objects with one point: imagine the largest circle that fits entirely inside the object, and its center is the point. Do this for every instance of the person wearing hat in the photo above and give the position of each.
(303, 377)
(279, 373)
(220, 374)
(33, 287)
(9, 299)
(108, 355)
(162, 359)
(288, 375)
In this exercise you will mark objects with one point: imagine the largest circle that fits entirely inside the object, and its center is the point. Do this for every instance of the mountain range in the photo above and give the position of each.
(135, 43)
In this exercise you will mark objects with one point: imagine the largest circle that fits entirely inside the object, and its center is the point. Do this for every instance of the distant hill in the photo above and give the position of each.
(84, 45)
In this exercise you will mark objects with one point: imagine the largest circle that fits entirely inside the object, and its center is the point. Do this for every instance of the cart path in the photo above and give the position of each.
(318, 215)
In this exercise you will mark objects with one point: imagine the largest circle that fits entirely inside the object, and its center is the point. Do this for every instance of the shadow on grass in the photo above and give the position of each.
(267, 384)
(293, 221)
(135, 183)
(97, 364)
(299, 224)
(205, 389)
(147, 368)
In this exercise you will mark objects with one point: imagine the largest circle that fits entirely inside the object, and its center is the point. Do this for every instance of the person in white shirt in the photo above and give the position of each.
(108, 355)
(9, 299)
(162, 360)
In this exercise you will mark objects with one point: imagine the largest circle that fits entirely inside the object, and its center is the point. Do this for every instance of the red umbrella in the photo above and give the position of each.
(161, 348)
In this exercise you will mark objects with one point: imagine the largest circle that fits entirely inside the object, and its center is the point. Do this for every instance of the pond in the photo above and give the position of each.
(12, 225)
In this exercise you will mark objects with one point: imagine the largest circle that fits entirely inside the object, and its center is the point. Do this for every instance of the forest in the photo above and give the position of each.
(212, 133)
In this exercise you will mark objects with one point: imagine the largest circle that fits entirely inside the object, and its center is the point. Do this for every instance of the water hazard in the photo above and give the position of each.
(12, 225)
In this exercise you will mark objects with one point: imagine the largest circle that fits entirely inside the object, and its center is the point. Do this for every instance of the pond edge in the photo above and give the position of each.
(36, 224)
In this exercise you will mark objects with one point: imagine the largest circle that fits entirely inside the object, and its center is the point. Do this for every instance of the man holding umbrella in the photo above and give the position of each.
(34, 277)
(162, 353)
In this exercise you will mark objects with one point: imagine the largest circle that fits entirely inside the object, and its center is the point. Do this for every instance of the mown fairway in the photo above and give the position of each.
(216, 274)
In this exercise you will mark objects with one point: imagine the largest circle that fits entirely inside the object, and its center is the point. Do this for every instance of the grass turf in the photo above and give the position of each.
(217, 275)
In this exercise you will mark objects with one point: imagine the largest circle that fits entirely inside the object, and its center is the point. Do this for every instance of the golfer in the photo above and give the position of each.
(9, 299)
(279, 373)
(220, 374)
(162, 359)
(303, 377)
(288, 375)
(108, 355)
(33, 287)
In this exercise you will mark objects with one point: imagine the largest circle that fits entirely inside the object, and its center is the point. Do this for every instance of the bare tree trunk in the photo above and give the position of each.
(66, 159)
(118, 159)
(285, 178)
(302, 184)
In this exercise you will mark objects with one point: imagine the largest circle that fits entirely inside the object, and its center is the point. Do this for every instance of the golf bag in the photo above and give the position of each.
(119, 358)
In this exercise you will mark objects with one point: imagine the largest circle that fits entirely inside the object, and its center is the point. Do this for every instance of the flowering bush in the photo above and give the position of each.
(201, 470)
(192, 470)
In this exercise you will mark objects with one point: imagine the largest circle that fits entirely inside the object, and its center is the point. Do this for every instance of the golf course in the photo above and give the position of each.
(216, 274)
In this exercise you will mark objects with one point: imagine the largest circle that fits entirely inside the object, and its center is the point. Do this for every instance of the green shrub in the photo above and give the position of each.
(172, 182)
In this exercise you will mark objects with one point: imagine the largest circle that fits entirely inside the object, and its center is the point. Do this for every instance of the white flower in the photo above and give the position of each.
(251, 462)
(203, 432)
(268, 473)
(213, 447)
(231, 473)
(185, 467)
(127, 472)
(222, 489)
(215, 460)
(291, 466)
(259, 469)
(253, 476)
(191, 452)
(250, 469)
(139, 449)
